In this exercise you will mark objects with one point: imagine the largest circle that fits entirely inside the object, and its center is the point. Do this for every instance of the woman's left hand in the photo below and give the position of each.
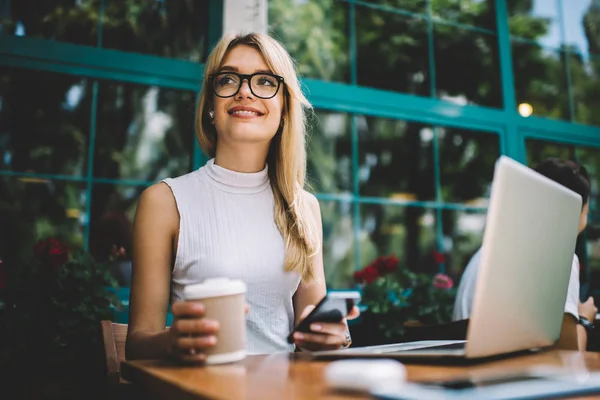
(324, 336)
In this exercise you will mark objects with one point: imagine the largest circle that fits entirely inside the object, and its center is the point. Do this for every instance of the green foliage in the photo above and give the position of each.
(52, 306)
(396, 296)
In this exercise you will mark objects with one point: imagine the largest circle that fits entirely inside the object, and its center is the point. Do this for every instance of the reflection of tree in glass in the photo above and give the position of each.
(176, 29)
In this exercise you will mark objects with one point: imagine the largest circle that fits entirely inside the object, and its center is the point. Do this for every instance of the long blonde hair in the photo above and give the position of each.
(287, 153)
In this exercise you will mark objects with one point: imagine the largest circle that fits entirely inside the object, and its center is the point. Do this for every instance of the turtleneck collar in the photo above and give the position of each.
(237, 182)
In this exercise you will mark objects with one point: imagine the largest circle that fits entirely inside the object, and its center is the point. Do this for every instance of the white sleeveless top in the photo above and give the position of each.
(227, 229)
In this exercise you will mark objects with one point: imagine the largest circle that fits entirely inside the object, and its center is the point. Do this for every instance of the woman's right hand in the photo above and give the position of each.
(191, 333)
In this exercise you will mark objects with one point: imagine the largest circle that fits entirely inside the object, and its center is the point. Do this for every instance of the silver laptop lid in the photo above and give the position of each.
(528, 246)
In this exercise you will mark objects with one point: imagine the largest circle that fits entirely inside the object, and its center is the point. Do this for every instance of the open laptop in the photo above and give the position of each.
(528, 244)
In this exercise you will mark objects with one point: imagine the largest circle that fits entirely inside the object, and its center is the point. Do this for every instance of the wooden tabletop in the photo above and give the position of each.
(285, 376)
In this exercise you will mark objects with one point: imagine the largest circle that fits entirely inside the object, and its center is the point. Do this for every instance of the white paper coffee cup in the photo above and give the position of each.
(224, 300)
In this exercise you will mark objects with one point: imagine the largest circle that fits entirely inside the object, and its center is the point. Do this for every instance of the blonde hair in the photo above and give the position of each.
(287, 153)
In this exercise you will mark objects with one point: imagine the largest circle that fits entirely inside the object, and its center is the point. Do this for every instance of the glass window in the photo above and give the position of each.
(338, 243)
(540, 150)
(411, 6)
(585, 82)
(143, 133)
(111, 227)
(73, 21)
(462, 237)
(330, 153)
(467, 160)
(392, 51)
(395, 159)
(540, 81)
(35, 208)
(315, 33)
(407, 232)
(44, 122)
(580, 18)
(167, 28)
(536, 20)
(478, 13)
(474, 77)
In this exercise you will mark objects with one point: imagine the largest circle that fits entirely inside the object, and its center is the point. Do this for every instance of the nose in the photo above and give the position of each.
(244, 91)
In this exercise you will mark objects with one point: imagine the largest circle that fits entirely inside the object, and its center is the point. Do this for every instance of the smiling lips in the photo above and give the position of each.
(244, 112)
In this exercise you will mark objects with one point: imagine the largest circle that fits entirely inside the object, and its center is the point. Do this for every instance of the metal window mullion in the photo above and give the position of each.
(353, 56)
(90, 165)
(355, 191)
(100, 26)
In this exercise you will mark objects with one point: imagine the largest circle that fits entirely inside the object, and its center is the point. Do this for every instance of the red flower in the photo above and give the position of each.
(3, 275)
(52, 250)
(439, 258)
(367, 275)
(442, 281)
(387, 265)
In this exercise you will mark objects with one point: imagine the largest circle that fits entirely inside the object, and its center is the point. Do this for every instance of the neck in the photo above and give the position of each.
(242, 158)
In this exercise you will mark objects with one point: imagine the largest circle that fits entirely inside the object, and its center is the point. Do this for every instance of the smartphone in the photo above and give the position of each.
(332, 308)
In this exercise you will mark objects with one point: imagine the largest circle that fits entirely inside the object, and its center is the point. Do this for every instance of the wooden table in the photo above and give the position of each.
(284, 376)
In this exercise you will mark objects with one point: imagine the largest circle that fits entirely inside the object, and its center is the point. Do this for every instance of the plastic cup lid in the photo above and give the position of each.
(214, 287)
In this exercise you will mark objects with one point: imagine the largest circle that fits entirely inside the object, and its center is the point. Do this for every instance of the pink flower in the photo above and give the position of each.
(443, 281)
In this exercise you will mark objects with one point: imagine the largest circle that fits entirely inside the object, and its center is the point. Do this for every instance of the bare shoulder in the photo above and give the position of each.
(158, 201)
(311, 200)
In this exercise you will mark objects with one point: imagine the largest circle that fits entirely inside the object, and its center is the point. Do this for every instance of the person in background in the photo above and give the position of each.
(244, 215)
(578, 316)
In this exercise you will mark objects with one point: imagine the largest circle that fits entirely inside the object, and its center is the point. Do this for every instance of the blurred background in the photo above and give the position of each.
(414, 101)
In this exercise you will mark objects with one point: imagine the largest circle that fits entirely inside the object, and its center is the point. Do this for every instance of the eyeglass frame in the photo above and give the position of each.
(247, 77)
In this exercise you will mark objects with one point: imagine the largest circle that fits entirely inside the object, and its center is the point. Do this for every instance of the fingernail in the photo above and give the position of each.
(212, 340)
(298, 336)
(316, 327)
(197, 307)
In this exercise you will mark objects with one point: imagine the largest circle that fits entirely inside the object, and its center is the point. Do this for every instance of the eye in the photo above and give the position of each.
(266, 80)
(226, 79)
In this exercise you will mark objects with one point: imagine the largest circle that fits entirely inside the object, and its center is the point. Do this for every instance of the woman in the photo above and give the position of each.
(243, 215)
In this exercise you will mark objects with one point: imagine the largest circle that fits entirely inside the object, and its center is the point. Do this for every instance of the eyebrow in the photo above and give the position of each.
(236, 69)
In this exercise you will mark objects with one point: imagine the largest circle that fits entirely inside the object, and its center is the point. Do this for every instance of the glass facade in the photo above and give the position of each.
(413, 102)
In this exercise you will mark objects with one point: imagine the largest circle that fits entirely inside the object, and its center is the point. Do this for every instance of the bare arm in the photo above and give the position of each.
(155, 226)
(572, 335)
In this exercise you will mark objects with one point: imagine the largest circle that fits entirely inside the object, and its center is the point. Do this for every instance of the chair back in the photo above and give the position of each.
(114, 336)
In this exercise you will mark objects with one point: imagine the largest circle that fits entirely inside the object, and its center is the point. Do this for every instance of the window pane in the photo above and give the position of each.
(63, 20)
(315, 32)
(479, 13)
(590, 159)
(330, 153)
(585, 80)
(44, 122)
(407, 232)
(474, 77)
(535, 20)
(33, 209)
(395, 159)
(463, 235)
(392, 51)
(413, 6)
(540, 150)
(540, 80)
(581, 20)
(111, 225)
(338, 243)
(467, 160)
(177, 29)
(143, 133)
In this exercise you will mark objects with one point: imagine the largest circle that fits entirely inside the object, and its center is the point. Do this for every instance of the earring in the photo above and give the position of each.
(211, 114)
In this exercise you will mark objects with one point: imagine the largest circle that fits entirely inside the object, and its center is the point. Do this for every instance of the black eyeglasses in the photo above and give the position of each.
(262, 85)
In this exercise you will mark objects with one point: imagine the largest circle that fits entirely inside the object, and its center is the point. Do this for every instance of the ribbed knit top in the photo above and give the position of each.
(227, 229)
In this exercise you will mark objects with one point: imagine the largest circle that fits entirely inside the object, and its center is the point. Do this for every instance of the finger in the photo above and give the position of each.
(198, 358)
(354, 313)
(306, 311)
(196, 326)
(319, 339)
(187, 309)
(246, 308)
(336, 329)
(196, 343)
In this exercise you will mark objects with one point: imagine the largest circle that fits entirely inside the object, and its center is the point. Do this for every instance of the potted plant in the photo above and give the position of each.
(50, 313)
(394, 299)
